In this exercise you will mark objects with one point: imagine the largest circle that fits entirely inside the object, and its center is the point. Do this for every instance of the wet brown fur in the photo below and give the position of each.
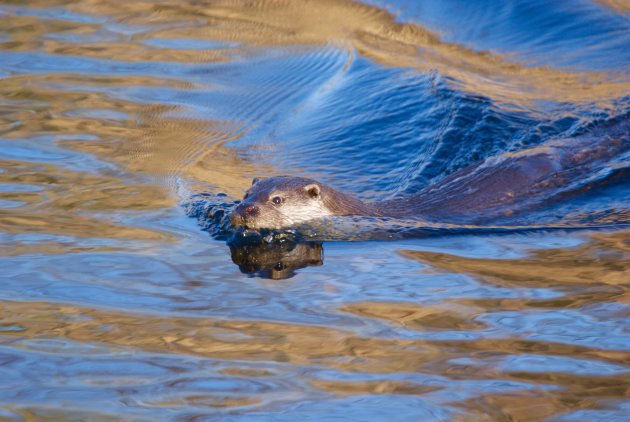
(495, 188)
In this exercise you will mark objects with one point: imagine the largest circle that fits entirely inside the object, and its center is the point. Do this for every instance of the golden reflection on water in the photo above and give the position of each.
(373, 32)
(622, 6)
(417, 317)
(57, 207)
(148, 143)
(602, 262)
(138, 136)
(274, 342)
(601, 266)
(147, 138)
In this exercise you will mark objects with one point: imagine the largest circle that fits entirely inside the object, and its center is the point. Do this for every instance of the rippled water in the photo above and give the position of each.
(127, 130)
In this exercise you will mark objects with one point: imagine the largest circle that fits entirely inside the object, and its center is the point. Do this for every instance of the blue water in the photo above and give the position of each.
(129, 130)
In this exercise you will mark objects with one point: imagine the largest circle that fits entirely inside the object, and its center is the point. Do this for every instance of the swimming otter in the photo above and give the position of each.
(285, 201)
(491, 191)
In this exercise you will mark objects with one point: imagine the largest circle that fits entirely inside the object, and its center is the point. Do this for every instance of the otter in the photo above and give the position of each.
(285, 201)
(493, 191)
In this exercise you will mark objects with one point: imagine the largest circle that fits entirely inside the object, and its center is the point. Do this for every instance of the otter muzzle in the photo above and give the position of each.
(241, 214)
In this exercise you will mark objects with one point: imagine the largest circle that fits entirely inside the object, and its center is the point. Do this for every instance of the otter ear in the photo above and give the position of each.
(312, 190)
(255, 180)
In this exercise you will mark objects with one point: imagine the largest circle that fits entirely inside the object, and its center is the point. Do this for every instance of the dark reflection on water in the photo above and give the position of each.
(114, 303)
(276, 260)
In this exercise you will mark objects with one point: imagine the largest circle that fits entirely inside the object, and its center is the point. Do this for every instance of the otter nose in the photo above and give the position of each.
(236, 218)
(241, 214)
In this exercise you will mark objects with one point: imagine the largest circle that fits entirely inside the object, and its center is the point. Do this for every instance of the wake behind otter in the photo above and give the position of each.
(573, 182)
(501, 191)
(504, 189)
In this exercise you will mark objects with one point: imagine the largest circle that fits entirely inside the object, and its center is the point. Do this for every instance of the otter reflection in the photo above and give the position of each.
(276, 260)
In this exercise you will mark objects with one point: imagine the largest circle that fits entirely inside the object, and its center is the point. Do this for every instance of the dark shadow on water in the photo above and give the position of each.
(276, 260)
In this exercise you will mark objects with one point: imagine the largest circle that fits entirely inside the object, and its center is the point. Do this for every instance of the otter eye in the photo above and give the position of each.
(276, 200)
(279, 266)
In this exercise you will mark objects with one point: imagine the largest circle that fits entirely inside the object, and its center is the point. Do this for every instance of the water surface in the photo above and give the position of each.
(116, 303)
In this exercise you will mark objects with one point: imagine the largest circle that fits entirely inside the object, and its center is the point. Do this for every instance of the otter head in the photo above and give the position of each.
(278, 202)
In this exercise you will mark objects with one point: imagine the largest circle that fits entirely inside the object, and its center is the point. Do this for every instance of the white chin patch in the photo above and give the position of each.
(297, 214)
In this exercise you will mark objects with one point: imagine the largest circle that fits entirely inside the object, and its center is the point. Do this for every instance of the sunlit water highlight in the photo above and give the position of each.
(127, 130)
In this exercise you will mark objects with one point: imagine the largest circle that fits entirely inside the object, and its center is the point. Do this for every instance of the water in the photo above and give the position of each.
(123, 124)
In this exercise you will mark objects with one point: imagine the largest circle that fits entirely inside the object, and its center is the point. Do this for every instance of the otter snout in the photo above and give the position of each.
(242, 214)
